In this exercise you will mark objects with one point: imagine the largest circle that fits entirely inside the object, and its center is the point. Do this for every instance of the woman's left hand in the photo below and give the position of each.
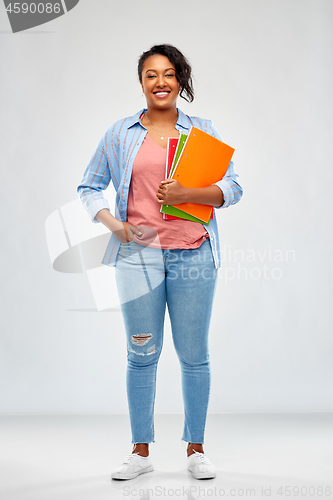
(171, 192)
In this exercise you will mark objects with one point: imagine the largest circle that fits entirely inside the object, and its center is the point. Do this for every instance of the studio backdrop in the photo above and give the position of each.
(263, 75)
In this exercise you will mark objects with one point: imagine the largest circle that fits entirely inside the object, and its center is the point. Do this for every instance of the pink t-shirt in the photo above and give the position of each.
(143, 210)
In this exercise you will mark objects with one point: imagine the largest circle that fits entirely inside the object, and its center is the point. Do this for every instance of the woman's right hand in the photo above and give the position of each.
(123, 231)
(126, 232)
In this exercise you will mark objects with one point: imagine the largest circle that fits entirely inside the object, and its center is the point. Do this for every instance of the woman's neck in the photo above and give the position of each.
(162, 117)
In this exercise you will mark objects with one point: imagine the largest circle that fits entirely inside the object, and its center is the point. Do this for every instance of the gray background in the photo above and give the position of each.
(263, 74)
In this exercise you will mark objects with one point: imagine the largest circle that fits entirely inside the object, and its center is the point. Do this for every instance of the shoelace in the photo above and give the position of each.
(129, 458)
(201, 456)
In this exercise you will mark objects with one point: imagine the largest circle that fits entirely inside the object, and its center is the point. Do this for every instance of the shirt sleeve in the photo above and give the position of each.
(229, 184)
(95, 179)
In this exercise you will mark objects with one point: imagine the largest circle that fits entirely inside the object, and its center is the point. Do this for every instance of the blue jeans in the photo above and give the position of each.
(148, 279)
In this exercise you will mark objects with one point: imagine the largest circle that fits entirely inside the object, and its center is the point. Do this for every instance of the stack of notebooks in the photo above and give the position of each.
(195, 160)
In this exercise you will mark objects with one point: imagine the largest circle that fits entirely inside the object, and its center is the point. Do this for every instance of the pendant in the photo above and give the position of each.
(162, 138)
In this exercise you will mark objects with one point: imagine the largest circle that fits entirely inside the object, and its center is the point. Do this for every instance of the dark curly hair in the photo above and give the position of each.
(182, 66)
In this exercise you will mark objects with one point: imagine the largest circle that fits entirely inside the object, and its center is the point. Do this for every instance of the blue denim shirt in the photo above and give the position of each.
(113, 160)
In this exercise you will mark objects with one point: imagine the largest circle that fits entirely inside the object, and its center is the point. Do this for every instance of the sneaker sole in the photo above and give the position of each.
(118, 475)
(203, 475)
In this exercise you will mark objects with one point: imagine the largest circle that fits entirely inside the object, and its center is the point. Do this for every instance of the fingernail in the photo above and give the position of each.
(140, 233)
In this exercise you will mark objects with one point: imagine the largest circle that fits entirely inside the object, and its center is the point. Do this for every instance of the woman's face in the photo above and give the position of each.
(159, 83)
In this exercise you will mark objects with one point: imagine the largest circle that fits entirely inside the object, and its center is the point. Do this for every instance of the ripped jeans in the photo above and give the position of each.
(148, 279)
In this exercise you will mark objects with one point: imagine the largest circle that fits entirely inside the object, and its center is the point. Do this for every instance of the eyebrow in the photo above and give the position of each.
(173, 69)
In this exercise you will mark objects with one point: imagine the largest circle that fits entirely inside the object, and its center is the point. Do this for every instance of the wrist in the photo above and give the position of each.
(187, 192)
(116, 225)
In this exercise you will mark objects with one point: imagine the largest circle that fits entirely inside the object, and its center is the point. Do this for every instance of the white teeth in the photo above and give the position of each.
(161, 93)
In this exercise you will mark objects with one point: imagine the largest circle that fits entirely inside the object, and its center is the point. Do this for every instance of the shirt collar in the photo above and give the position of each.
(182, 122)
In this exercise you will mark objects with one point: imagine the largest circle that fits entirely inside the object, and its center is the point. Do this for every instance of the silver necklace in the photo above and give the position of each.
(162, 131)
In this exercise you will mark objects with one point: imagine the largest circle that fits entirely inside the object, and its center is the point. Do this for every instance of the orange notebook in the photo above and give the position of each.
(203, 161)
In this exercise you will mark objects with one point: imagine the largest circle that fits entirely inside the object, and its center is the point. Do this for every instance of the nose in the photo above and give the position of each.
(160, 81)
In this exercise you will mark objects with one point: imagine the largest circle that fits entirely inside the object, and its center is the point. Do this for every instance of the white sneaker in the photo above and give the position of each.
(132, 466)
(200, 466)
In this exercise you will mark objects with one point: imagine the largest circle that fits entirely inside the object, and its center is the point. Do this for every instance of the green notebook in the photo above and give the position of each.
(176, 212)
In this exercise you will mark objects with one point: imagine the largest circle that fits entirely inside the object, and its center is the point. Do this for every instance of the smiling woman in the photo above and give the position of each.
(159, 261)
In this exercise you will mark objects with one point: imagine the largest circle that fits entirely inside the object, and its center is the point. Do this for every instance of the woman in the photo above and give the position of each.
(159, 261)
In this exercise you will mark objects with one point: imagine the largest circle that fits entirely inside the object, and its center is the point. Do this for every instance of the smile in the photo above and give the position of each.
(161, 93)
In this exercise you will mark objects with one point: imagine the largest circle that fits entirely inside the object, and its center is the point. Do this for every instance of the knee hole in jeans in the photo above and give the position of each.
(140, 340)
